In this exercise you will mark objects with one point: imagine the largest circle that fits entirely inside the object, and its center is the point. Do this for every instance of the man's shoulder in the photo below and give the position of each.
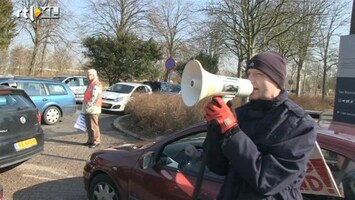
(294, 108)
(97, 83)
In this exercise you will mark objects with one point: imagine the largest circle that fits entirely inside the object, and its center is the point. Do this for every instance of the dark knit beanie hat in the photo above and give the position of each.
(273, 64)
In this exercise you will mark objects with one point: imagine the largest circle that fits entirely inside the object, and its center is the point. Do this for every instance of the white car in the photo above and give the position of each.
(116, 97)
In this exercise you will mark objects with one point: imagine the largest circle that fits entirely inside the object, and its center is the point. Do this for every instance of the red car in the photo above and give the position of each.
(168, 168)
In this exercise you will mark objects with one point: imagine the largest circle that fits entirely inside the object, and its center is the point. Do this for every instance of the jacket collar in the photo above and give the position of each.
(260, 108)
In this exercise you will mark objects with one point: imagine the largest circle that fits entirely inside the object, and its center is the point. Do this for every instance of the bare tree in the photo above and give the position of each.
(61, 60)
(210, 38)
(250, 26)
(169, 21)
(19, 60)
(304, 35)
(333, 20)
(41, 31)
(112, 17)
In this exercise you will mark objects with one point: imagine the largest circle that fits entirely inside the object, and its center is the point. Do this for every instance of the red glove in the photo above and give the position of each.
(218, 110)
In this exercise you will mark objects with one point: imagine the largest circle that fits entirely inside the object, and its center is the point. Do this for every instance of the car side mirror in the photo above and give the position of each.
(147, 160)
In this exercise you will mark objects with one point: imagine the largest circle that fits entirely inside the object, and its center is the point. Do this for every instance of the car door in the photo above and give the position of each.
(343, 171)
(37, 93)
(61, 96)
(175, 174)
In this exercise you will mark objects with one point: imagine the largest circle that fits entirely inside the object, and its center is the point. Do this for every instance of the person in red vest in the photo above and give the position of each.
(91, 108)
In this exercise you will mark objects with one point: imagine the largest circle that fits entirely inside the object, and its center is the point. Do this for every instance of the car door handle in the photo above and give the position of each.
(44, 99)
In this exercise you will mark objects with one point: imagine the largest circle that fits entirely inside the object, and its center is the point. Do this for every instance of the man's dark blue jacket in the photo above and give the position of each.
(266, 156)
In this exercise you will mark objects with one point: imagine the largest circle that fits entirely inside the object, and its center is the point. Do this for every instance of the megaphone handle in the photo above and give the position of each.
(227, 97)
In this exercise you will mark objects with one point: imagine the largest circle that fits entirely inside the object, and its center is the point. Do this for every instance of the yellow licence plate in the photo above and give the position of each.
(25, 144)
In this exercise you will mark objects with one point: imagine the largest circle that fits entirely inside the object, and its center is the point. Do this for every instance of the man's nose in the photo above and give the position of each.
(251, 78)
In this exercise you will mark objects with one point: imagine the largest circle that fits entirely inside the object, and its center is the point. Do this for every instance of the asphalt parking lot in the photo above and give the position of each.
(57, 172)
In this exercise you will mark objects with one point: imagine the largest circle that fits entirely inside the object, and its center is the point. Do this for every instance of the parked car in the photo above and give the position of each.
(174, 89)
(168, 168)
(53, 99)
(21, 136)
(1, 192)
(77, 84)
(164, 87)
(116, 97)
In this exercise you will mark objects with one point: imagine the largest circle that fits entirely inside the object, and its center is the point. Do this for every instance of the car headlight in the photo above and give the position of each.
(118, 99)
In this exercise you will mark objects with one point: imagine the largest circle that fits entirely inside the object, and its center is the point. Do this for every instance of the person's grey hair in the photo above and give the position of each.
(92, 71)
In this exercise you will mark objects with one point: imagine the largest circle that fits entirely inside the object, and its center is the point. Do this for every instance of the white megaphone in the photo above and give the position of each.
(197, 83)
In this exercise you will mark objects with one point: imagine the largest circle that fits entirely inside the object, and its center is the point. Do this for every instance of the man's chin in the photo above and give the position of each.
(253, 97)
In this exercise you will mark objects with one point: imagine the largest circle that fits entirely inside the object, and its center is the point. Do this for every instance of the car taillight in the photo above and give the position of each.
(39, 119)
(1, 195)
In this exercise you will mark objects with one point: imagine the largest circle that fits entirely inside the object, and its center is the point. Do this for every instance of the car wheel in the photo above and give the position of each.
(51, 115)
(102, 187)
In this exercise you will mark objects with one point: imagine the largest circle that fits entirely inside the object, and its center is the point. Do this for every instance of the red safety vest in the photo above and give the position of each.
(88, 93)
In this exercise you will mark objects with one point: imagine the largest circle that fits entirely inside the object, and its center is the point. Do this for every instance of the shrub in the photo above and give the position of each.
(163, 113)
(314, 103)
(160, 114)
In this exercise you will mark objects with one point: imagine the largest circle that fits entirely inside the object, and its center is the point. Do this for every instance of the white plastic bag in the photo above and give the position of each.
(80, 122)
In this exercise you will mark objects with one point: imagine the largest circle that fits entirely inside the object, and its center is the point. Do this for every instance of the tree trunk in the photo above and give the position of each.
(42, 59)
(298, 78)
(324, 84)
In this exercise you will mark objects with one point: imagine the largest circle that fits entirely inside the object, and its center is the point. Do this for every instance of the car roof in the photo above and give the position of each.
(31, 79)
(67, 76)
(132, 84)
(342, 143)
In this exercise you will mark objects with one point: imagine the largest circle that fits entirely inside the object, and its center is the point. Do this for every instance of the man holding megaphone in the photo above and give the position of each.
(264, 147)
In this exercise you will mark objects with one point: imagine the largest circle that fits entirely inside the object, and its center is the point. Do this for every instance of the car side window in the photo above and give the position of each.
(343, 171)
(34, 89)
(185, 155)
(141, 89)
(10, 84)
(85, 81)
(73, 82)
(55, 89)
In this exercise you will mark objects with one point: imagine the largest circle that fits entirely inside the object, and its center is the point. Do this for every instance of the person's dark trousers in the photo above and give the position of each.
(93, 128)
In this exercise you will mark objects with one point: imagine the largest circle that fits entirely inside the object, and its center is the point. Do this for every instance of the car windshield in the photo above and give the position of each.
(120, 88)
(13, 102)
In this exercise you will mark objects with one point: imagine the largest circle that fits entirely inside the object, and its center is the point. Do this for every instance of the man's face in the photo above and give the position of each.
(264, 87)
(91, 76)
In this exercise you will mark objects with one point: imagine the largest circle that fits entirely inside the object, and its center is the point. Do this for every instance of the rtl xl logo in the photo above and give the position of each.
(43, 12)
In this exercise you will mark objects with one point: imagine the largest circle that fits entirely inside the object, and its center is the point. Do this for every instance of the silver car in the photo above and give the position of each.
(77, 84)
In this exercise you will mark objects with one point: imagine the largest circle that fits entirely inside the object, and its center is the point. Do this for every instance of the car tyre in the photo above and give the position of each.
(51, 115)
(102, 187)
